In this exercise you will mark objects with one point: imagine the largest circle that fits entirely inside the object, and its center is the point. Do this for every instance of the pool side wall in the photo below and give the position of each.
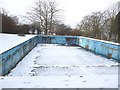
(106, 49)
(10, 58)
(103, 48)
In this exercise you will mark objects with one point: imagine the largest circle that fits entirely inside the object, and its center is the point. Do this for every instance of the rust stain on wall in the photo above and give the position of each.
(87, 46)
(109, 55)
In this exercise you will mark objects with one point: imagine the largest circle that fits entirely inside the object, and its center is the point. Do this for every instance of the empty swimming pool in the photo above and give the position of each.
(52, 65)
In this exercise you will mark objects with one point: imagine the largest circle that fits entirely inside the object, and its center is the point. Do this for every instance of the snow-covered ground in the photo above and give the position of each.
(54, 66)
(8, 41)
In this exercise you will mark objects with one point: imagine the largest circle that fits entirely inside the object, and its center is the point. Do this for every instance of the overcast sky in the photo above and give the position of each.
(73, 10)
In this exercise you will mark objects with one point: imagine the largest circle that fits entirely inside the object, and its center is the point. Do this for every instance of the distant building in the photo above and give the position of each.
(30, 31)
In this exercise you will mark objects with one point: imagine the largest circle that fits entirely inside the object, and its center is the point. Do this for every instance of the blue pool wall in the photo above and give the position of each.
(58, 39)
(104, 48)
(10, 58)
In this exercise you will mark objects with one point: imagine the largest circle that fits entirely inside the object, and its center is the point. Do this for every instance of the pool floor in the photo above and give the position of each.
(55, 66)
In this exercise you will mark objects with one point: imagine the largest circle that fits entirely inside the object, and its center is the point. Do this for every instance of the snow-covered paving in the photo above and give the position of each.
(8, 41)
(54, 66)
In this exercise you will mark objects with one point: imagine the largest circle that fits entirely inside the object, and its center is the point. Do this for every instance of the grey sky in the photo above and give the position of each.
(73, 10)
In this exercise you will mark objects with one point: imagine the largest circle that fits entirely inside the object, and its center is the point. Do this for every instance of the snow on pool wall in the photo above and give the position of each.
(10, 58)
(104, 48)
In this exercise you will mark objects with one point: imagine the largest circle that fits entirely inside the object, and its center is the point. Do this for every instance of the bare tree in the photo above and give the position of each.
(102, 25)
(111, 28)
(92, 25)
(45, 13)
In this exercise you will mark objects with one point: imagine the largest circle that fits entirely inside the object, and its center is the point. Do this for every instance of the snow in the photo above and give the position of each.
(54, 66)
(8, 41)
(91, 81)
